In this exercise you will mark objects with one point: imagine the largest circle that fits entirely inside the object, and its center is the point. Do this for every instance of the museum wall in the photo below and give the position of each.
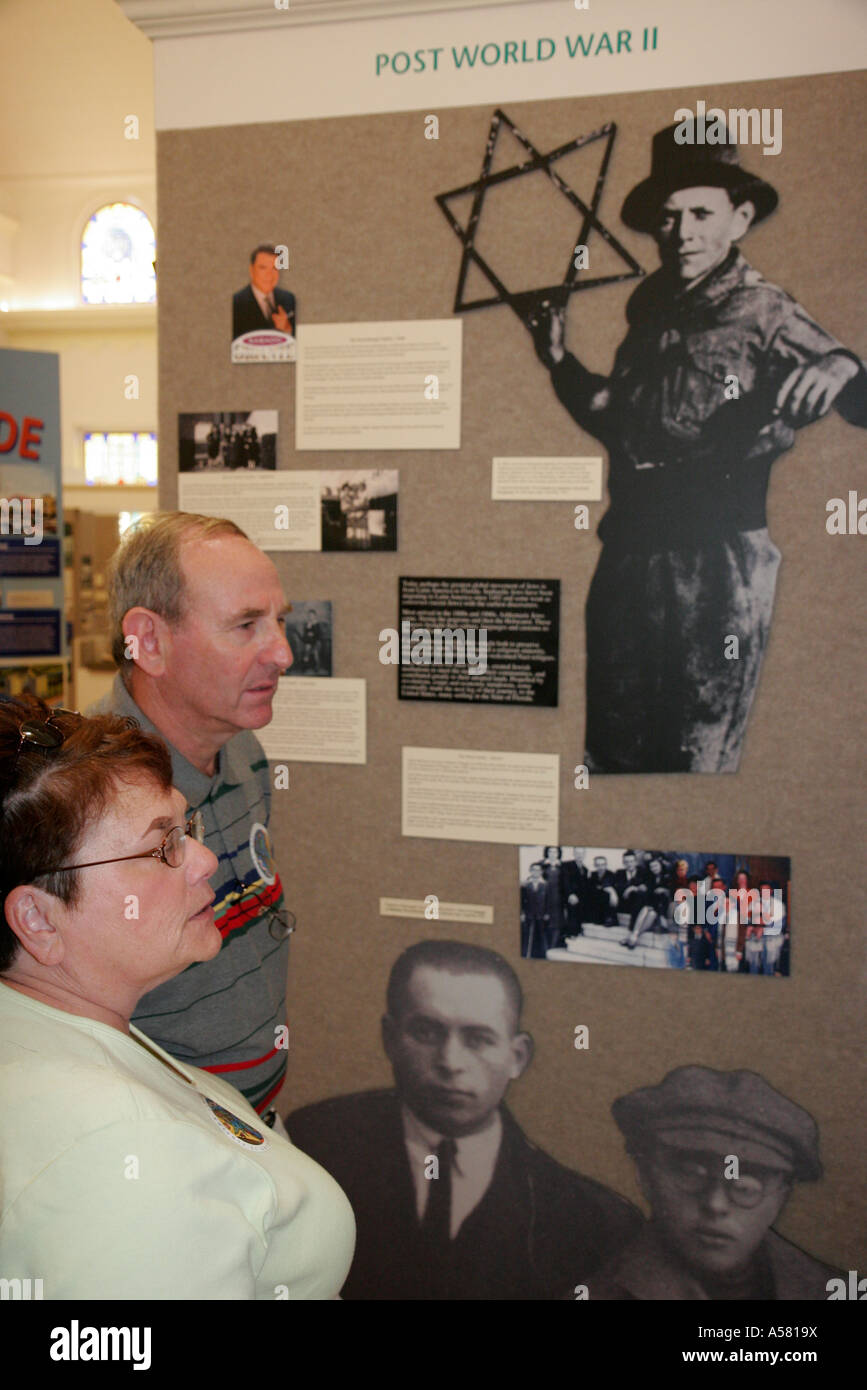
(353, 198)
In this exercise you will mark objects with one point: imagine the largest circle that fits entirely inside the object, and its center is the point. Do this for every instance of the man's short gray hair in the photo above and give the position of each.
(145, 570)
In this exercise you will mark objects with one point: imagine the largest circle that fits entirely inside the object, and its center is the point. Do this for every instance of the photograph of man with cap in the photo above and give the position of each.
(717, 1154)
(717, 371)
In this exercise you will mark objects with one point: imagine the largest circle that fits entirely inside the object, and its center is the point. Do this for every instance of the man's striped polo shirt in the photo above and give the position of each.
(226, 1015)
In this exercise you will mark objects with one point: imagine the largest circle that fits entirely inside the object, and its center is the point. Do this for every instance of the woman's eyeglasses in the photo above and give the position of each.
(43, 735)
(170, 852)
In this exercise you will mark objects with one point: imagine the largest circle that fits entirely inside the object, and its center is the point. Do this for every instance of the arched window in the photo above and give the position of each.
(117, 257)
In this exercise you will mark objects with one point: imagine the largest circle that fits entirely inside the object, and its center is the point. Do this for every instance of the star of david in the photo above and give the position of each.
(526, 303)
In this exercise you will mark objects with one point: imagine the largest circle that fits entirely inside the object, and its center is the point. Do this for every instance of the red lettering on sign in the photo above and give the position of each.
(7, 444)
(30, 431)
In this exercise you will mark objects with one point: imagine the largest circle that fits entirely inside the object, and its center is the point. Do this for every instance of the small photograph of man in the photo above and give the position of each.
(226, 440)
(451, 1199)
(309, 634)
(535, 914)
(359, 509)
(717, 1154)
(263, 315)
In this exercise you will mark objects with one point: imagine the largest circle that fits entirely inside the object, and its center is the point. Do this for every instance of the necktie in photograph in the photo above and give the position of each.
(436, 1222)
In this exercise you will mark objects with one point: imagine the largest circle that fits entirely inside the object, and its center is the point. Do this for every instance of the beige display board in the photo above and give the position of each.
(353, 199)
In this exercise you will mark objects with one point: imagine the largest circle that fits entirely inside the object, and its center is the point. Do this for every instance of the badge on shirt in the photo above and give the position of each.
(240, 1131)
(261, 853)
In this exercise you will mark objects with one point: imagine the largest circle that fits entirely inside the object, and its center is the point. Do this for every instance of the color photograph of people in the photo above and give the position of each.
(670, 910)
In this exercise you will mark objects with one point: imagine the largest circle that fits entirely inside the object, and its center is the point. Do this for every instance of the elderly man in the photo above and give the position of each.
(451, 1200)
(717, 1154)
(198, 614)
(718, 370)
(261, 304)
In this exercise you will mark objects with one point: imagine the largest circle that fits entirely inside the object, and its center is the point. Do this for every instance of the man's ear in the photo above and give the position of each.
(744, 216)
(145, 638)
(31, 914)
(523, 1048)
(389, 1030)
(643, 1177)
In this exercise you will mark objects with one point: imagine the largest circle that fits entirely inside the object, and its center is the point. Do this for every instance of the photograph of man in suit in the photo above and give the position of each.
(534, 913)
(261, 305)
(630, 885)
(601, 893)
(575, 878)
(451, 1199)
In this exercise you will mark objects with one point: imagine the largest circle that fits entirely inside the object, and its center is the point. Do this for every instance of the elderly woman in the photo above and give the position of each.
(125, 1173)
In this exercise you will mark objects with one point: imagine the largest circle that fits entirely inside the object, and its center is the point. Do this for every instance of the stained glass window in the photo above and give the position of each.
(120, 458)
(118, 251)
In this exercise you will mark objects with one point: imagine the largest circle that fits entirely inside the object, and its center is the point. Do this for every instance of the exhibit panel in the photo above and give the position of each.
(670, 582)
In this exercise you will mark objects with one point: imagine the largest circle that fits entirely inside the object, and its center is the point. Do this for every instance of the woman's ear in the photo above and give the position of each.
(32, 915)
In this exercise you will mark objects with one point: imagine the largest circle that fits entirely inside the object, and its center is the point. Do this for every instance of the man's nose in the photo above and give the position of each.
(450, 1054)
(716, 1196)
(278, 651)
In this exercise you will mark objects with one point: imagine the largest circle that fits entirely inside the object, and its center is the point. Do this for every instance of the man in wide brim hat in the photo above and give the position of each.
(718, 370)
(717, 1155)
(674, 166)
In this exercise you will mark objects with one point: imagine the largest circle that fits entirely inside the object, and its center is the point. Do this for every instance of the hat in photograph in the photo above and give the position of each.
(675, 166)
(734, 1112)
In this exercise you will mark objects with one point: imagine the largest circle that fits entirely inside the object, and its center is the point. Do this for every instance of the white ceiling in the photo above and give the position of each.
(176, 18)
(72, 72)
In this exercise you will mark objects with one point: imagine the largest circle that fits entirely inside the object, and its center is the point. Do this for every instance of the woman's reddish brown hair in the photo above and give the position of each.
(49, 796)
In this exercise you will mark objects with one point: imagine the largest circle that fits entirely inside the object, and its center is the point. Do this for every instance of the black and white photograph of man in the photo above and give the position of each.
(717, 1154)
(451, 1199)
(718, 371)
